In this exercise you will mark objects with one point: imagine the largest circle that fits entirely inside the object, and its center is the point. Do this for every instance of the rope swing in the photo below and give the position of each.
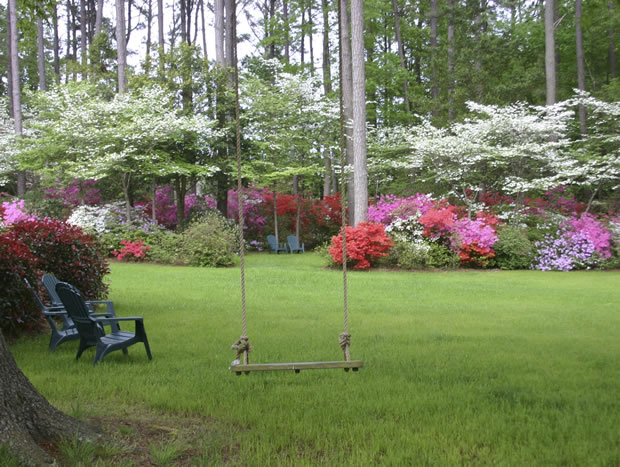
(241, 363)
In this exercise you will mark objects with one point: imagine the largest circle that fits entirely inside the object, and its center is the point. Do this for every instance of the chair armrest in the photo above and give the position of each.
(103, 315)
(56, 313)
(131, 318)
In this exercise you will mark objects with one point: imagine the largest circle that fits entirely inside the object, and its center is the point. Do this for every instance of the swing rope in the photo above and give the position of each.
(345, 337)
(242, 346)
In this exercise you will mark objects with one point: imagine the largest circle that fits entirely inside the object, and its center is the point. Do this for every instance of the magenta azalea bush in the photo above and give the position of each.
(166, 210)
(76, 193)
(390, 207)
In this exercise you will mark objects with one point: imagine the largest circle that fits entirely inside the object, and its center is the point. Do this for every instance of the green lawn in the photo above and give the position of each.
(467, 367)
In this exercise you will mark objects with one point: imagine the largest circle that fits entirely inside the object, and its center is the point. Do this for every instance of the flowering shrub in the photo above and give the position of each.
(17, 309)
(365, 243)
(166, 210)
(132, 250)
(438, 222)
(390, 207)
(563, 252)
(13, 211)
(594, 231)
(66, 251)
(254, 217)
(76, 193)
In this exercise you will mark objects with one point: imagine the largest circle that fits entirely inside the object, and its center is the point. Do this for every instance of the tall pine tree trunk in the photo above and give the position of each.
(41, 55)
(83, 51)
(360, 170)
(327, 87)
(612, 43)
(347, 97)
(550, 51)
(434, 85)
(581, 72)
(15, 86)
(56, 43)
(451, 60)
(121, 45)
(287, 32)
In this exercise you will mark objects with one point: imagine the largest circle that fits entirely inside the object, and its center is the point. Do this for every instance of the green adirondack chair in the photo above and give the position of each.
(67, 332)
(49, 282)
(273, 244)
(91, 331)
(293, 244)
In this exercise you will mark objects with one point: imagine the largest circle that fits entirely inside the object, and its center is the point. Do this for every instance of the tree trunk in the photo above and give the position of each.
(15, 87)
(612, 44)
(311, 34)
(297, 193)
(434, 86)
(581, 73)
(550, 51)
(275, 216)
(149, 32)
(160, 36)
(287, 32)
(126, 183)
(360, 170)
(56, 44)
(451, 60)
(347, 97)
(27, 418)
(9, 72)
(327, 87)
(120, 45)
(180, 189)
(220, 58)
(184, 37)
(68, 54)
(401, 53)
(229, 39)
(303, 34)
(205, 55)
(83, 51)
(41, 55)
(99, 17)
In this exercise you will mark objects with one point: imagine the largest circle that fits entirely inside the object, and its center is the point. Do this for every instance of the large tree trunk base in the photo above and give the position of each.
(28, 420)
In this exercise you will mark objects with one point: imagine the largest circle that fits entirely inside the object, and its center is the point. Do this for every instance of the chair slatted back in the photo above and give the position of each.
(49, 282)
(76, 307)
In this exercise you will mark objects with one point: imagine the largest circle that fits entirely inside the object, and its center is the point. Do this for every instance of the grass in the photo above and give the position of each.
(467, 367)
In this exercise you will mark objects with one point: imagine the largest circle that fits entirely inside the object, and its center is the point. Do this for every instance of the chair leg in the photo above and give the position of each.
(81, 349)
(141, 334)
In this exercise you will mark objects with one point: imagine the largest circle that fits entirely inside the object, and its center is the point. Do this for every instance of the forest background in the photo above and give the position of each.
(424, 61)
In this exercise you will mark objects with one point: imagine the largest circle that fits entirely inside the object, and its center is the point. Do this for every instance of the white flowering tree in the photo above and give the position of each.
(513, 149)
(289, 123)
(595, 158)
(8, 149)
(133, 135)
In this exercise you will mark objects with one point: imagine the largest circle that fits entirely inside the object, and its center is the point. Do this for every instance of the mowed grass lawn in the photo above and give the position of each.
(467, 367)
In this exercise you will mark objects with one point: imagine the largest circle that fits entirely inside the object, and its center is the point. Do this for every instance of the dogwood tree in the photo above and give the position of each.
(8, 148)
(290, 124)
(513, 149)
(80, 135)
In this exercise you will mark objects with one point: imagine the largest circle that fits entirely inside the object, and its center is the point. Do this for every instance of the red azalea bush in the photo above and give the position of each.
(67, 252)
(17, 308)
(132, 250)
(365, 243)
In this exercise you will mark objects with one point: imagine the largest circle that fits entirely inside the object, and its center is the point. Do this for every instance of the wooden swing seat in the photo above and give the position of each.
(354, 365)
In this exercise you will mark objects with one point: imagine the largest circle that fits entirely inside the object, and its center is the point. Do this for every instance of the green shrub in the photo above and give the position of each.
(165, 248)
(408, 255)
(440, 256)
(209, 242)
(513, 249)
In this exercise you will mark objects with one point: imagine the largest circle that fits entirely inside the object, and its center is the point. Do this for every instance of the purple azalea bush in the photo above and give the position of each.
(467, 231)
(76, 193)
(252, 202)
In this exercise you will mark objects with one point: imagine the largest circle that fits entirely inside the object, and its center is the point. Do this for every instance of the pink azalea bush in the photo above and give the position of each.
(14, 211)
(166, 210)
(390, 207)
(135, 250)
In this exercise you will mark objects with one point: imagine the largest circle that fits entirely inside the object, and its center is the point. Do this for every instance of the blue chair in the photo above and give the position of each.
(293, 244)
(273, 244)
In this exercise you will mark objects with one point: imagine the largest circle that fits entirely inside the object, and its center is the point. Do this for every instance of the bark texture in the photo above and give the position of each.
(27, 418)
(550, 51)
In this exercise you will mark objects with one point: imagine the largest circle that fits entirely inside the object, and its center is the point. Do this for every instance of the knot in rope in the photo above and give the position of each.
(345, 340)
(242, 345)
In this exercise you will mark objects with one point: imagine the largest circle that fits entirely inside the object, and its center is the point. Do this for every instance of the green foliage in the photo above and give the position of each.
(7, 458)
(513, 249)
(209, 242)
(442, 257)
(77, 452)
(165, 248)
